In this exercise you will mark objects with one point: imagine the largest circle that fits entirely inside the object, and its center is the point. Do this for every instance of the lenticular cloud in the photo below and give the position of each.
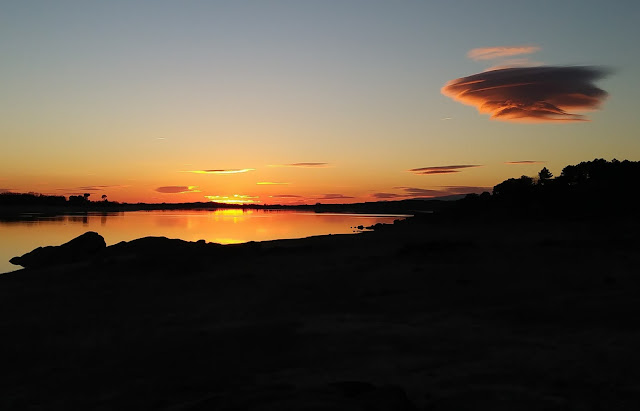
(490, 53)
(531, 94)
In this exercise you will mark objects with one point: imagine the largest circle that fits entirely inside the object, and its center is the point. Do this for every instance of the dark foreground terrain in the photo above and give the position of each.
(429, 315)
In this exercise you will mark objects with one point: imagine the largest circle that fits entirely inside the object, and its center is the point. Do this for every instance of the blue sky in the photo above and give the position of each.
(131, 94)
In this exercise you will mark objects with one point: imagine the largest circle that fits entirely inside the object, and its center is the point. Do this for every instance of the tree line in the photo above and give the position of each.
(17, 199)
(587, 187)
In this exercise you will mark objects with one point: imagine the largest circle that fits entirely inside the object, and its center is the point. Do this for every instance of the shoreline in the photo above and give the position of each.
(410, 206)
(431, 313)
(31, 231)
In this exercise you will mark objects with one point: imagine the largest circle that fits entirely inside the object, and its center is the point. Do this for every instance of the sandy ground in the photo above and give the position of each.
(438, 315)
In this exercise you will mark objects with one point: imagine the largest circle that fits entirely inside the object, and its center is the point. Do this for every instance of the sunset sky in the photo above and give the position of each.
(310, 101)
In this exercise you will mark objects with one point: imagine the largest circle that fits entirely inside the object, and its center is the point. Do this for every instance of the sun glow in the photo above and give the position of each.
(234, 199)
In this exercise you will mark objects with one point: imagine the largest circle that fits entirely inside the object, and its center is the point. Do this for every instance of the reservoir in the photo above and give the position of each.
(224, 226)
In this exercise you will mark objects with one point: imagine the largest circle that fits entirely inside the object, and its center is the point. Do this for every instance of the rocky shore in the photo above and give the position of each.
(427, 314)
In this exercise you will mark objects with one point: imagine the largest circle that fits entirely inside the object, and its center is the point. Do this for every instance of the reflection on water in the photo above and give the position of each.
(18, 236)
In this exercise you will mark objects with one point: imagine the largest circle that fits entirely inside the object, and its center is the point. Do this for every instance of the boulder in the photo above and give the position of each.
(334, 396)
(78, 249)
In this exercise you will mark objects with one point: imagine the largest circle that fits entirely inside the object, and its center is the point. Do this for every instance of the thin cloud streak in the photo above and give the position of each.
(422, 192)
(442, 169)
(222, 171)
(177, 189)
(310, 165)
(384, 196)
(285, 196)
(524, 162)
(490, 53)
(531, 94)
(511, 63)
(334, 197)
(75, 190)
(438, 172)
(415, 192)
(271, 183)
(100, 188)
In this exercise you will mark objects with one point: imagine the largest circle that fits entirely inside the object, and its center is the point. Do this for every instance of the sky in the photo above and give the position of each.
(287, 102)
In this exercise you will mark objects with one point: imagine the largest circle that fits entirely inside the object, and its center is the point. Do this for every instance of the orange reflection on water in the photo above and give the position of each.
(228, 226)
(232, 212)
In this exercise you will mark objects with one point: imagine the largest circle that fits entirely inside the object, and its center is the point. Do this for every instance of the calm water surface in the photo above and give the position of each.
(218, 226)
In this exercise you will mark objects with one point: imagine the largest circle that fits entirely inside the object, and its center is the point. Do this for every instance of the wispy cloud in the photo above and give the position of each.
(99, 188)
(84, 189)
(285, 196)
(421, 192)
(177, 189)
(416, 192)
(511, 63)
(442, 169)
(271, 183)
(310, 165)
(222, 171)
(5, 190)
(438, 172)
(531, 94)
(385, 196)
(334, 197)
(490, 53)
(525, 162)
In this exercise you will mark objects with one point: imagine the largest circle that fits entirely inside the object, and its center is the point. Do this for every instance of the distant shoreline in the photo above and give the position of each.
(400, 208)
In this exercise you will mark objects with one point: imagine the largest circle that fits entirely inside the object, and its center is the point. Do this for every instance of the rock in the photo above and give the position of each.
(78, 249)
(352, 388)
(335, 396)
(161, 254)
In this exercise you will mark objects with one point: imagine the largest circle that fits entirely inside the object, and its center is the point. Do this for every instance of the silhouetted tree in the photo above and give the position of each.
(9, 198)
(514, 187)
(76, 200)
(588, 188)
(104, 198)
(544, 175)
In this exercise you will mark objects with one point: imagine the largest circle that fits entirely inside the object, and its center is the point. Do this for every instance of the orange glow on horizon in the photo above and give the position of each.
(235, 199)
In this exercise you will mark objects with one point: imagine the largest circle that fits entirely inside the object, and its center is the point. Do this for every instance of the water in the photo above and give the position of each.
(218, 226)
